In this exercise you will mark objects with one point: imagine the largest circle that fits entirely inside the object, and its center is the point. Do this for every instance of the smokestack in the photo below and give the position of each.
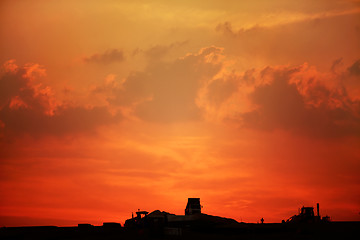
(318, 212)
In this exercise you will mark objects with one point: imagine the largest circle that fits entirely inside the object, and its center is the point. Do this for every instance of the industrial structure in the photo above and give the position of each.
(306, 215)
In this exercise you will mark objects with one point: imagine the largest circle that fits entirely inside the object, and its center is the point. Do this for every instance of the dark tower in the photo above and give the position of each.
(193, 206)
(318, 209)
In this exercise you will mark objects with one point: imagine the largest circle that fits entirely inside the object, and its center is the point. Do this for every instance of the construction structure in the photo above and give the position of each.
(137, 221)
(306, 215)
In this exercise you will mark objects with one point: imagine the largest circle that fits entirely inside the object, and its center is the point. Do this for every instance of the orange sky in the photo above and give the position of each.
(111, 106)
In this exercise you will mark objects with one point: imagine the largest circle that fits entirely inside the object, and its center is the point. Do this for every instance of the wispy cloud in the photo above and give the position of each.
(107, 57)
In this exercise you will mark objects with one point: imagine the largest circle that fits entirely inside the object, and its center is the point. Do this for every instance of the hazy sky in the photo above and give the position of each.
(107, 107)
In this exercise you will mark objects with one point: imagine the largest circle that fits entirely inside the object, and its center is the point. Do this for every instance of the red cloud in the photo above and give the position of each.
(26, 107)
(293, 101)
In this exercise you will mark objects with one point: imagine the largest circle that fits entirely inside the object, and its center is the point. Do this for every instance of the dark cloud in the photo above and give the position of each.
(30, 109)
(320, 111)
(107, 57)
(338, 62)
(355, 68)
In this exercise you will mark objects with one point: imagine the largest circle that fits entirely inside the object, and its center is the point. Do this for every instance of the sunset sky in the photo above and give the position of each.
(110, 106)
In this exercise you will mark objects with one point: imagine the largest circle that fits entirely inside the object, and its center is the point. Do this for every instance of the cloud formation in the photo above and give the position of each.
(166, 91)
(293, 42)
(27, 107)
(295, 101)
(159, 51)
(109, 56)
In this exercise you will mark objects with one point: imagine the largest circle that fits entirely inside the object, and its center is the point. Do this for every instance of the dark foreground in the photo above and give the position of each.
(329, 230)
